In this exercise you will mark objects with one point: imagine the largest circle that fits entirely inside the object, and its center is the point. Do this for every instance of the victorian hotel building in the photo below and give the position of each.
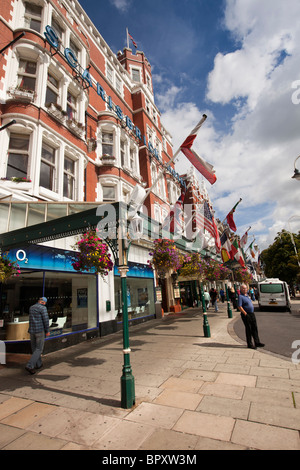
(79, 127)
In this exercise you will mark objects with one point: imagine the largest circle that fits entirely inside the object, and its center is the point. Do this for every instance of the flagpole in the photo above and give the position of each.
(204, 117)
(232, 209)
(127, 37)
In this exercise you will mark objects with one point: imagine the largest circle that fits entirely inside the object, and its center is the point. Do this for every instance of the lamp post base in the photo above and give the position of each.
(127, 388)
(229, 311)
(206, 327)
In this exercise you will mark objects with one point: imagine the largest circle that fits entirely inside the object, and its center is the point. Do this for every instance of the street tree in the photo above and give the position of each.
(280, 260)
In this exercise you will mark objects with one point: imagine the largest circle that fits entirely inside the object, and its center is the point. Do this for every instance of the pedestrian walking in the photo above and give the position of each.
(222, 295)
(246, 308)
(38, 329)
(206, 299)
(214, 298)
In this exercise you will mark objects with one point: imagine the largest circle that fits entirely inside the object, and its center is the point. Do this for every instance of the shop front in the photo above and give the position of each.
(140, 294)
(72, 299)
(190, 295)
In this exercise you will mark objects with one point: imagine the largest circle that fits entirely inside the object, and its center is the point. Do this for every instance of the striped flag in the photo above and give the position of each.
(226, 248)
(205, 168)
(244, 239)
(205, 219)
(133, 41)
(174, 221)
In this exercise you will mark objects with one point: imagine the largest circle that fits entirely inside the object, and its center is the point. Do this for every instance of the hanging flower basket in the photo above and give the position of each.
(8, 268)
(165, 256)
(243, 276)
(215, 271)
(93, 255)
(193, 265)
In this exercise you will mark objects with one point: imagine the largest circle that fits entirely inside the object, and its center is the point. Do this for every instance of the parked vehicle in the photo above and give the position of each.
(273, 293)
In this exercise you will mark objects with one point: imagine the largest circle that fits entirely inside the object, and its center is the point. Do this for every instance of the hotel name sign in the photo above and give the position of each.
(84, 74)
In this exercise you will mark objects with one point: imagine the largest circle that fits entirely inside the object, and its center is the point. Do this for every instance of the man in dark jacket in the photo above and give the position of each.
(38, 329)
(246, 308)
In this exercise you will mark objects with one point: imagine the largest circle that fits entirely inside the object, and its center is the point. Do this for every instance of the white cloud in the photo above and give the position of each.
(121, 5)
(255, 160)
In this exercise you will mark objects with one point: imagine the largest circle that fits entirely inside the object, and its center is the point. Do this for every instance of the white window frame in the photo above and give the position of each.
(12, 151)
(28, 16)
(72, 175)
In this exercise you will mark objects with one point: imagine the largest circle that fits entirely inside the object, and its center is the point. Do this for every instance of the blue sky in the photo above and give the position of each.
(238, 62)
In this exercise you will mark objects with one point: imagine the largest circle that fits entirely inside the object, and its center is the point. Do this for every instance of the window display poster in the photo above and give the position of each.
(82, 299)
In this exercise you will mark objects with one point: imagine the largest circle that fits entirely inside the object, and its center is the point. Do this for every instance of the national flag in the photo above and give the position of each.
(229, 217)
(226, 248)
(236, 253)
(225, 255)
(205, 168)
(174, 222)
(133, 41)
(243, 240)
(205, 219)
(251, 250)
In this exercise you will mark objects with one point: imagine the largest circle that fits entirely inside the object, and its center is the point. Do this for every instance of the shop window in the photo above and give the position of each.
(71, 302)
(33, 16)
(52, 92)
(18, 156)
(108, 144)
(47, 173)
(69, 178)
(27, 74)
(140, 297)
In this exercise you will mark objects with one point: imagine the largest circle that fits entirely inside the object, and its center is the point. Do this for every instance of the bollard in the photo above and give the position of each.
(206, 327)
(229, 311)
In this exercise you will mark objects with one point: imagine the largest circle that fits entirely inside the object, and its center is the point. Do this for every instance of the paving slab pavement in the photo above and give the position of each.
(192, 393)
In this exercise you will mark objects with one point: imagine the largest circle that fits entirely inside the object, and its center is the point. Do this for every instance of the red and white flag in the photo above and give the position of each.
(205, 168)
(133, 41)
(205, 219)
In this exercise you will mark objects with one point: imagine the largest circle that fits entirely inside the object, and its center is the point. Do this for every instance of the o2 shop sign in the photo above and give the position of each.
(22, 256)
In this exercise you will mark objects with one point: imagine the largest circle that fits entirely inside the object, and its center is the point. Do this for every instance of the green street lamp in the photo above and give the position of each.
(127, 379)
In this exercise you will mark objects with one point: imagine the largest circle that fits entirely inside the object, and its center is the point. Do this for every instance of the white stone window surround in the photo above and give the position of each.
(108, 181)
(45, 62)
(19, 21)
(37, 135)
(129, 145)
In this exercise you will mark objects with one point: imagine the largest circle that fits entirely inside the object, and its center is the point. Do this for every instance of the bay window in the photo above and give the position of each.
(47, 173)
(18, 156)
(108, 144)
(69, 178)
(52, 92)
(71, 106)
(27, 74)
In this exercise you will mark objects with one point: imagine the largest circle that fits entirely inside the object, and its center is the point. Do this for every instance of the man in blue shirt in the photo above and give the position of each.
(38, 329)
(246, 308)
